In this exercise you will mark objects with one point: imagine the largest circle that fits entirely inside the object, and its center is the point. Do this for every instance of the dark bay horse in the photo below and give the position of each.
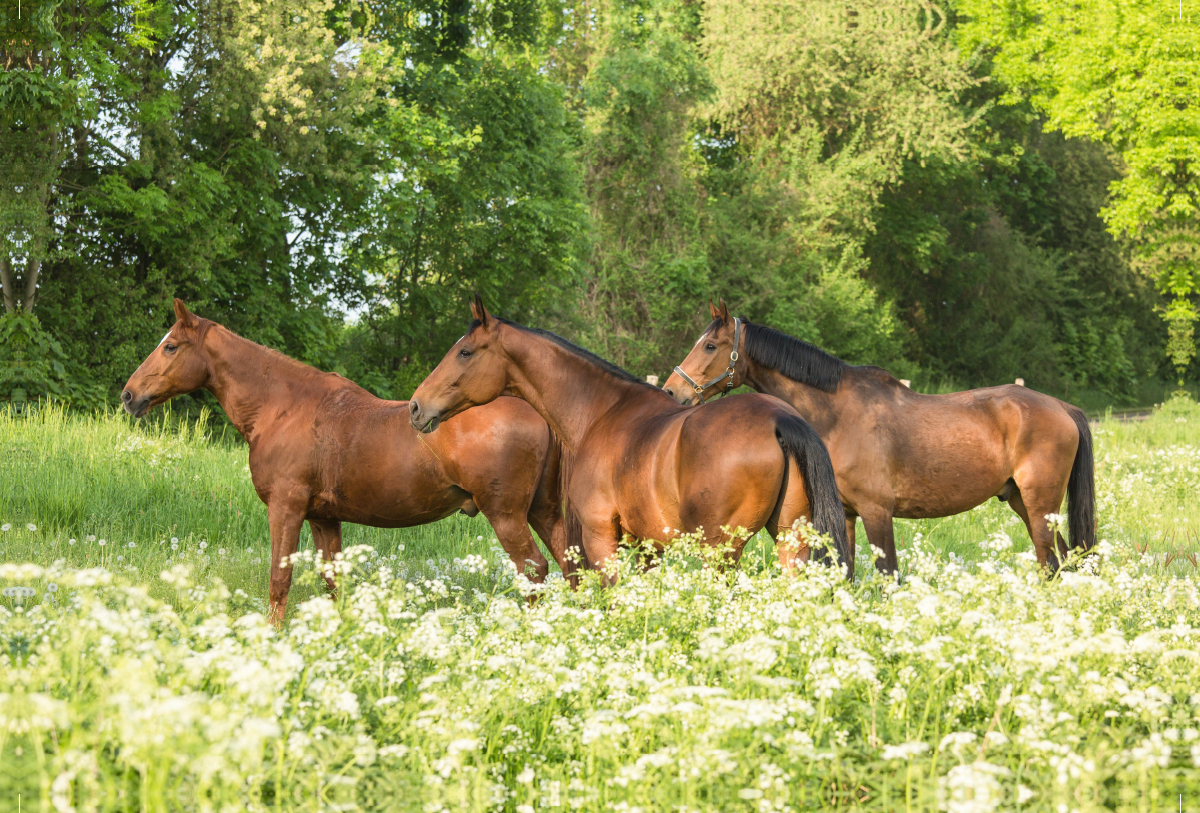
(898, 453)
(640, 464)
(325, 450)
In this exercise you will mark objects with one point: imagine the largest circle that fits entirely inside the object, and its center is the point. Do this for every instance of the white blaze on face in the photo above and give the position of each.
(164, 338)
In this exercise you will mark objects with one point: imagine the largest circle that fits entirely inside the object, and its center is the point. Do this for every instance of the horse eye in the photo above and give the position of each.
(464, 353)
(169, 348)
(710, 347)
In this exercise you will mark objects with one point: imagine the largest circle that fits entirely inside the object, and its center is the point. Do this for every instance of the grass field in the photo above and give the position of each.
(140, 674)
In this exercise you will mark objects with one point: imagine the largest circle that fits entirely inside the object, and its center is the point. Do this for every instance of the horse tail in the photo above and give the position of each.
(801, 443)
(549, 504)
(1081, 488)
(572, 529)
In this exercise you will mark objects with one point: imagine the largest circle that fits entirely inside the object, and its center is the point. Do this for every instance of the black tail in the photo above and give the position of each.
(1081, 488)
(801, 442)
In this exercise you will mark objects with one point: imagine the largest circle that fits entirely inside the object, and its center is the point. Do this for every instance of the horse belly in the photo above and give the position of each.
(942, 490)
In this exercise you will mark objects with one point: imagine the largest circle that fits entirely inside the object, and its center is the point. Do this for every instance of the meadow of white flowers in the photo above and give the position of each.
(965, 688)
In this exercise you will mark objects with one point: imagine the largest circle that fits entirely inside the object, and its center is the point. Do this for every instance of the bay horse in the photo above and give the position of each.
(640, 464)
(325, 450)
(898, 453)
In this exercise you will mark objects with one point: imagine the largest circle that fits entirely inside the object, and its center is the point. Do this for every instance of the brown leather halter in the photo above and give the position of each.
(733, 357)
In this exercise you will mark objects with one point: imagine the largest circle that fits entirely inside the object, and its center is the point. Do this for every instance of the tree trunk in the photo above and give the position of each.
(6, 282)
(32, 269)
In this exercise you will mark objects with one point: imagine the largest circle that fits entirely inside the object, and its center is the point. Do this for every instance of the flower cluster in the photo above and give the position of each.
(685, 686)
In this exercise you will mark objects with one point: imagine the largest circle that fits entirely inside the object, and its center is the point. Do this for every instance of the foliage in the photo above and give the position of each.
(640, 77)
(1010, 253)
(54, 57)
(1125, 74)
(864, 87)
(485, 199)
(33, 366)
(334, 180)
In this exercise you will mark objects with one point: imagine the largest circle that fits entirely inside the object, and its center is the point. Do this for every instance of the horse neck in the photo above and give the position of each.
(818, 407)
(247, 378)
(568, 391)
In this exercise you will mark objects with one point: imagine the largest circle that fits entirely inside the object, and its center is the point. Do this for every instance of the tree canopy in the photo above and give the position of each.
(1126, 74)
(964, 195)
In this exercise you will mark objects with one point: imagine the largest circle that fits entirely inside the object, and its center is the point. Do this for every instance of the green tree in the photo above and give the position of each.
(637, 77)
(51, 53)
(479, 191)
(1126, 74)
(223, 157)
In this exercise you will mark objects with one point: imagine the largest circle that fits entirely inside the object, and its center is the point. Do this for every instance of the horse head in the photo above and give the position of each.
(473, 372)
(711, 367)
(175, 367)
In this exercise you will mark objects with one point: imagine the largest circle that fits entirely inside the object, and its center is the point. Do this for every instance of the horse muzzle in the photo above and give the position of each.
(421, 420)
(682, 397)
(137, 407)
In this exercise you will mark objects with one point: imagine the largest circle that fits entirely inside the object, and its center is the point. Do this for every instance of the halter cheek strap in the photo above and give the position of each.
(728, 374)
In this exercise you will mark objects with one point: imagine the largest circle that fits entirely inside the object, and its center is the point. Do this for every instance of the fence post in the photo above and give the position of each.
(652, 380)
(1020, 382)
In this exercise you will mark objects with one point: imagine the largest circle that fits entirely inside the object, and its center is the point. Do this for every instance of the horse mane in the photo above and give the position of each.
(604, 364)
(792, 357)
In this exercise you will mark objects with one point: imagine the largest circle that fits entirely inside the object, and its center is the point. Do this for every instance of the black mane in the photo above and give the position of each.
(588, 356)
(796, 359)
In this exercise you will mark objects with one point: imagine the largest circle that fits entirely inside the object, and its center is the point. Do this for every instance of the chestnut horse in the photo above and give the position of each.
(898, 453)
(640, 464)
(325, 450)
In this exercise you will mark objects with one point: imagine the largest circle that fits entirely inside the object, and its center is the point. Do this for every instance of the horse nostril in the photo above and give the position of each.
(127, 396)
(414, 409)
(669, 391)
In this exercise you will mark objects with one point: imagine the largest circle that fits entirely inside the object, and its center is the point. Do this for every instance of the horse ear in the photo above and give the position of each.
(716, 314)
(184, 315)
(478, 311)
(724, 315)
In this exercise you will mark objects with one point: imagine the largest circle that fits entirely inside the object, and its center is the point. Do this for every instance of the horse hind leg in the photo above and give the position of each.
(514, 536)
(1047, 543)
(851, 528)
(327, 539)
(546, 517)
(792, 506)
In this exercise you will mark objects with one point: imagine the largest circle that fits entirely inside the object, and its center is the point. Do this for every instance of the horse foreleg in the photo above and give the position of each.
(327, 539)
(881, 535)
(601, 541)
(285, 520)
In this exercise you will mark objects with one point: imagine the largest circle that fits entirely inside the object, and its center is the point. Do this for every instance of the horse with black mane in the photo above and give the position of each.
(898, 453)
(325, 450)
(640, 464)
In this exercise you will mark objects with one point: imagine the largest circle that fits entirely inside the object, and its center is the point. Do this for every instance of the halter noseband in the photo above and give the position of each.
(733, 357)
